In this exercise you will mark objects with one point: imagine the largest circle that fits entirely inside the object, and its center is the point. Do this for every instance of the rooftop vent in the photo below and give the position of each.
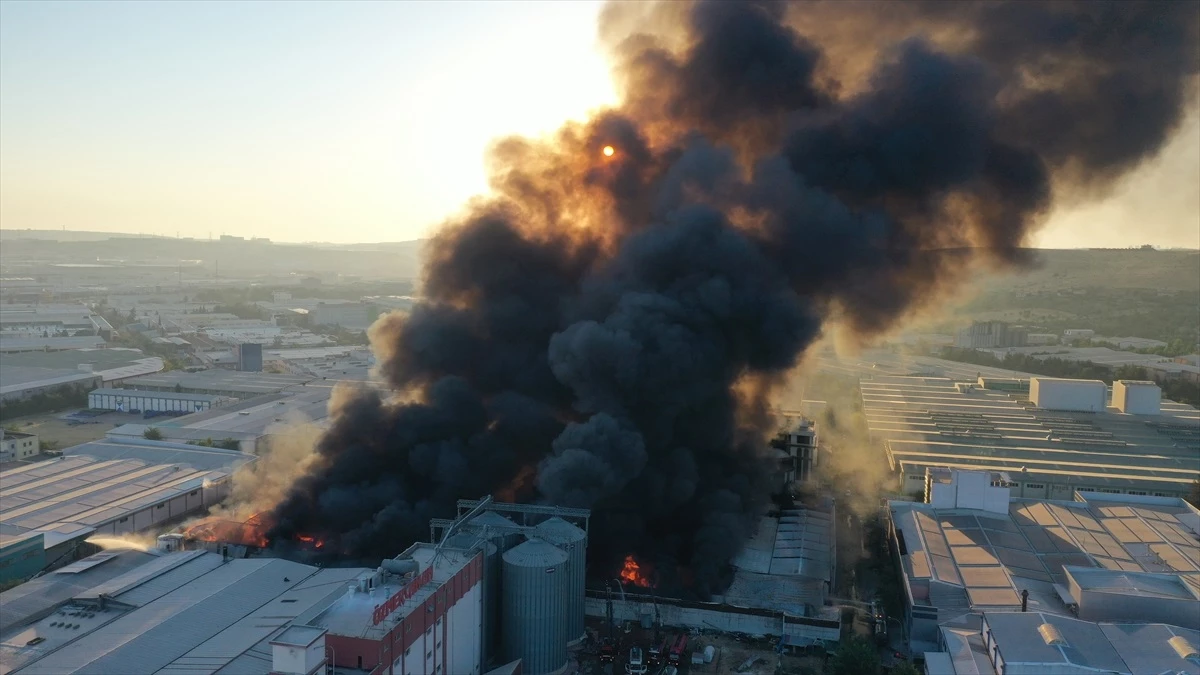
(1183, 648)
(1051, 636)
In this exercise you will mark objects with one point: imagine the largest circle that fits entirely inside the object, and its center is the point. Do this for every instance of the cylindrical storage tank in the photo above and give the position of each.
(573, 540)
(535, 607)
(501, 531)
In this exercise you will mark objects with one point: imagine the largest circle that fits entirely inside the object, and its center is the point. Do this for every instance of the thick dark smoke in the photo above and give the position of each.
(607, 331)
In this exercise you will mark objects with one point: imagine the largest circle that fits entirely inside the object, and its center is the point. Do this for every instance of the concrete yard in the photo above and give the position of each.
(55, 428)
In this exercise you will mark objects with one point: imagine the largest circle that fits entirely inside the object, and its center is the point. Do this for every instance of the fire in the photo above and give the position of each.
(310, 540)
(608, 151)
(253, 532)
(633, 573)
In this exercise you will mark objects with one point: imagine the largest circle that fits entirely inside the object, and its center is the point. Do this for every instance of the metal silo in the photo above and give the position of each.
(535, 606)
(574, 541)
(501, 535)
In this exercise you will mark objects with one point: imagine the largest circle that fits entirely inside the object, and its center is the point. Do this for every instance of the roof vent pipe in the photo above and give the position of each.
(1024, 600)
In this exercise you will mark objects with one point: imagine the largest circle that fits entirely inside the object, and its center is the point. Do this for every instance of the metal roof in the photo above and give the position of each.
(26, 602)
(96, 483)
(926, 421)
(166, 395)
(983, 559)
(219, 616)
(219, 381)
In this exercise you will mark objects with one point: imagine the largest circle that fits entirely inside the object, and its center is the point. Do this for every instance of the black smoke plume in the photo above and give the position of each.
(607, 331)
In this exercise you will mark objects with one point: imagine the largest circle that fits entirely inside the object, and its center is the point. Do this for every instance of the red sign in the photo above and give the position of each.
(401, 596)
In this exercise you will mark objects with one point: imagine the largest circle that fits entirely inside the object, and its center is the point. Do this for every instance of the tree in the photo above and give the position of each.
(152, 434)
(855, 656)
(904, 668)
(1194, 494)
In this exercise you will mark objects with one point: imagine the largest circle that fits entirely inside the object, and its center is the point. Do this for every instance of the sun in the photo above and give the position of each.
(608, 151)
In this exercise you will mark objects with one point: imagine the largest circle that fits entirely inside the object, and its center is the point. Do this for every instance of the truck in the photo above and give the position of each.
(636, 665)
(677, 650)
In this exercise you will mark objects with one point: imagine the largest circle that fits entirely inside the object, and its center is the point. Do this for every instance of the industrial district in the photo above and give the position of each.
(1023, 523)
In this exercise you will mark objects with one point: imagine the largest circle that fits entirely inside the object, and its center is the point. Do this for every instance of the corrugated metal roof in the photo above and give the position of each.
(153, 637)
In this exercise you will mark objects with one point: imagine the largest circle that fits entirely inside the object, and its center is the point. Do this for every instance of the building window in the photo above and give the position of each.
(1137, 492)
(160, 506)
(915, 477)
(1035, 486)
(126, 518)
(1110, 491)
(1161, 494)
(429, 655)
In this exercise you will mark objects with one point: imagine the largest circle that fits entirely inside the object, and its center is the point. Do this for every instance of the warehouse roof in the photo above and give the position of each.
(982, 559)
(99, 482)
(927, 421)
(34, 598)
(169, 395)
(20, 378)
(219, 381)
(37, 344)
(185, 612)
(1039, 640)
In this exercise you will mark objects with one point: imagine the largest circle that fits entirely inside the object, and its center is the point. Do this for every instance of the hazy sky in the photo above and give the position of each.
(340, 121)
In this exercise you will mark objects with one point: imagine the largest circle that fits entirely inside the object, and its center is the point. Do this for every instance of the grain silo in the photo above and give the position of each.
(535, 606)
(501, 534)
(573, 541)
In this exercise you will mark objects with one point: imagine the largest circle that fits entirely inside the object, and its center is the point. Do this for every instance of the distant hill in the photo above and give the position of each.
(1061, 269)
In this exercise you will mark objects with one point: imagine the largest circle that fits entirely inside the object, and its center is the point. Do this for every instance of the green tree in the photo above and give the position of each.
(855, 656)
(904, 668)
(152, 434)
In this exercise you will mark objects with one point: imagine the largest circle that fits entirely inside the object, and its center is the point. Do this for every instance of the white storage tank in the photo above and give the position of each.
(535, 607)
(1068, 395)
(574, 541)
(1137, 397)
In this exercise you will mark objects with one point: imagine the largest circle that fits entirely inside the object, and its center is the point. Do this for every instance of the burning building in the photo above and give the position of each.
(607, 329)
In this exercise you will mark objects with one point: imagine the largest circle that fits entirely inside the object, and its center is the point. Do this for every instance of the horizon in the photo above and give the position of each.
(117, 234)
(312, 123)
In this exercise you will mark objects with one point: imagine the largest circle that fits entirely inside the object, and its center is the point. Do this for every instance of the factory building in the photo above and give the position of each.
(796, 445)
(1048, 441)
(252, 422)
(975, 553)
(28, 374)
(15, 445)
(250, 357)
(533, 579)
(111, 488)
(133, 400)
(21, 556)
(230, 383)
(985, 334)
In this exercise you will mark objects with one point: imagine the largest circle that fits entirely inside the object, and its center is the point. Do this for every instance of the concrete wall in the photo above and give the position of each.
(1077, 395)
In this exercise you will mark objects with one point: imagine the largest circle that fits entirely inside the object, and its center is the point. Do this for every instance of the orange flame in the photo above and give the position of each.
(632, 573)
(253, 532)
(309, 539)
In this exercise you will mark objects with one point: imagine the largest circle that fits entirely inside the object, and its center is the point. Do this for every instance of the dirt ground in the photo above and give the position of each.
(55, 429)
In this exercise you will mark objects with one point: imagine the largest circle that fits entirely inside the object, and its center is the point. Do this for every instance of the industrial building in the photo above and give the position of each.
(182, 611)
(1034, 642)
(250, 422)
(43, 320)
(1051, 447)
(219, 382)
(983, 571)
(790, 564)
(111, 488)
(16, 445)
(796, 445)
(983, 334)
(250, 357)
(976, 548)
(21, 556)
(30, 373)
(133, 400)
(428, 611)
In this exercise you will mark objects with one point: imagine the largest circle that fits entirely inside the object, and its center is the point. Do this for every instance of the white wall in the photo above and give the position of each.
(464, 623)
(1077, 395)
